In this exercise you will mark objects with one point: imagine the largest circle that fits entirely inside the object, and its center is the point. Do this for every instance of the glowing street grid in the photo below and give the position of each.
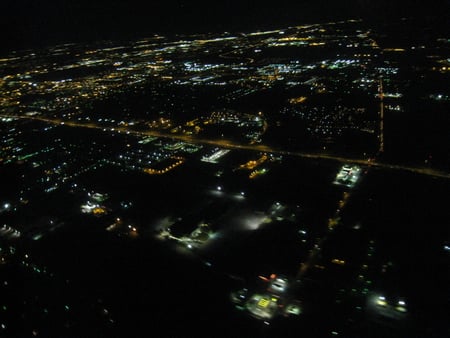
(212, 159)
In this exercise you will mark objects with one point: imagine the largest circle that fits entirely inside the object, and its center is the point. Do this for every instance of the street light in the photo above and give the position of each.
(401, 306)
(381, 301)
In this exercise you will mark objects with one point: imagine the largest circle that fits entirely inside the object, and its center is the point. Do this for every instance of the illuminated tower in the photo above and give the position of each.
(380, 94)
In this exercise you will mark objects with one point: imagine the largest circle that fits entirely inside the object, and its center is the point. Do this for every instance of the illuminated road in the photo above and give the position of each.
(232, 145)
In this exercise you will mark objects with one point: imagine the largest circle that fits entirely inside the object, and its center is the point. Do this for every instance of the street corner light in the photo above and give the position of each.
(219, 188)
(242, 193)
(401, 303)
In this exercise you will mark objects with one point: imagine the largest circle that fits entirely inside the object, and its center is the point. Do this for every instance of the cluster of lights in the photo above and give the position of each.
(400, 305)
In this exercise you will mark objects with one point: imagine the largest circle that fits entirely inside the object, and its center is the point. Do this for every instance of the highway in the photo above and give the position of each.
(233, 145)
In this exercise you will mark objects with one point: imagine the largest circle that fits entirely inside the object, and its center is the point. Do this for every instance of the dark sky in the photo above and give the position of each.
(27, 23)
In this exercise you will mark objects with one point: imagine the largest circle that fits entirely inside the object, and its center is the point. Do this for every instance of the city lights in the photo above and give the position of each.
(291, 169)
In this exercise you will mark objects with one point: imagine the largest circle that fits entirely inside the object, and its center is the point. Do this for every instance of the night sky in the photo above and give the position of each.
(35, 23)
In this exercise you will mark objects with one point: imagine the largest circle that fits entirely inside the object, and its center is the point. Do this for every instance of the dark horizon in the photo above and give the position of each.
(28, 24)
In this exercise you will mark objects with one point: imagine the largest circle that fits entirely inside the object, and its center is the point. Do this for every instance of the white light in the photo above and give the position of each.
(253, 222)
(401, 302)
(189, 246)
(219, 188)
(381, 300)
(6, 205)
